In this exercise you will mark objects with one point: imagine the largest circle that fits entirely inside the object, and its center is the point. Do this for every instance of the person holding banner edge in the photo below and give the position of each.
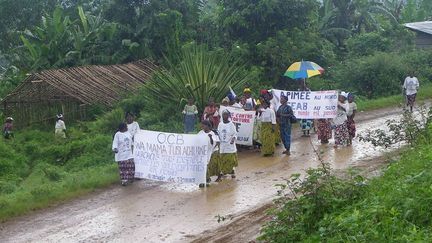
(285, 116)
(228, 150)
(213, 166)
(268, 126)
(122, 147)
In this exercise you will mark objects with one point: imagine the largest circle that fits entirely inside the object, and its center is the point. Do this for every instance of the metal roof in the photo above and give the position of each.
(425, 27)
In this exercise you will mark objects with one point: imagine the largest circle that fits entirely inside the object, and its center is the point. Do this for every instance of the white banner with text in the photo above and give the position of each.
(309, 104)
(171, 157)
(244, 122)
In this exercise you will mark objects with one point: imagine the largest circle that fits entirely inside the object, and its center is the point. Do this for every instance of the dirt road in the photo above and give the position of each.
(157, 212)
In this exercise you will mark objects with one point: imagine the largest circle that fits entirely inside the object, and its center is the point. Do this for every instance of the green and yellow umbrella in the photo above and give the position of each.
(303, 69)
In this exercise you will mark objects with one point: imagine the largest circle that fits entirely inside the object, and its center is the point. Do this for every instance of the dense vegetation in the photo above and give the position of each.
(360, 43)
(265, 35)
(391, 208)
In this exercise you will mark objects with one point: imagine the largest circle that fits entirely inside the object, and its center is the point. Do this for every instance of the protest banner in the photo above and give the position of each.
(309, 104)
(170, 157)
(244, 122)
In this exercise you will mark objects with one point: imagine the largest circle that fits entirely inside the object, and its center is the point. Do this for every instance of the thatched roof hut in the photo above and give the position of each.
(70, 90)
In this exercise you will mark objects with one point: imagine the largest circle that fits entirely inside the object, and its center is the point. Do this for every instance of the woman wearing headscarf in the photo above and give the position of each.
(8, 128)
(122, 147)
(211, 112)
(228, 150)
(352, 109)
(60, 127)
(213, 166)
(340, 122)
(284, 115)
(268, 126)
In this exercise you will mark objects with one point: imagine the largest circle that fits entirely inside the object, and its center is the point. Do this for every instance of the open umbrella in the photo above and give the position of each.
(303, 69)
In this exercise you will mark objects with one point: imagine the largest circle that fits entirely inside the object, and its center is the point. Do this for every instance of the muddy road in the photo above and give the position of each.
(158, 212)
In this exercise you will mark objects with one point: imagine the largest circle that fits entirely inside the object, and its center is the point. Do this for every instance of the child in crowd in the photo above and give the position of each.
(190, 113)
(324, 130)
(8, 128)
(60, 127)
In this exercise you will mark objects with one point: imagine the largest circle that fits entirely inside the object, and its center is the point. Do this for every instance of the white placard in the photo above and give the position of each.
(309, 104)
(171, 157)
(244, 122)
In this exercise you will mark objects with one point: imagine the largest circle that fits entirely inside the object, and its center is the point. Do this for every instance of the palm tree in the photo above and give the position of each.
(199, 74)
(343, 18)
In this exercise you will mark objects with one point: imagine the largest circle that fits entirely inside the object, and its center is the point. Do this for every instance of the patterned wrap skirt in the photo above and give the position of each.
(411, 99)
(228, 162)
(267, 138)
(213, 167)
(126, 169)
(341, 134)
(257, 132)
(351, 127)
(324, 130)
(277, 135)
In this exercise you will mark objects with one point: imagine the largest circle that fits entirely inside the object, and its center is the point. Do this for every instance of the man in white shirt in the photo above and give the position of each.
(411, 86)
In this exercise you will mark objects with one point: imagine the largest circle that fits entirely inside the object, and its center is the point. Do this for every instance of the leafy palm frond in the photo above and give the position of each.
(199, 74)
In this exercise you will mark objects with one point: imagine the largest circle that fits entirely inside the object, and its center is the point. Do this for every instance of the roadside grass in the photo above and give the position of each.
(363, 104)
(394, 207)
(36, 171)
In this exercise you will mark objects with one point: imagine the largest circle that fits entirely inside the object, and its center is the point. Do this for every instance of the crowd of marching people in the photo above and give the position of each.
(272, 127)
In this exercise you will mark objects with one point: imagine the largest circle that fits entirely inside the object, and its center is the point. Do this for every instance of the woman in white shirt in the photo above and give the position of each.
(122, 147)
(411, 86)
(60, 127)
(341, 134)
(268, 126)
(228, 150)
(133, 126)
(213, 166)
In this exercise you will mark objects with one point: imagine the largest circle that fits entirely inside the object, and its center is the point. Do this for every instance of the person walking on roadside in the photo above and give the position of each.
(341, 134)
(213, 166)
(284, 116)
(122, 147)
(211, 112)
(268, 126)
(60, 127)
(411, 86)
(8, 128)
(352, 109)
(228, 150)
(133, 126)
(190, 113)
